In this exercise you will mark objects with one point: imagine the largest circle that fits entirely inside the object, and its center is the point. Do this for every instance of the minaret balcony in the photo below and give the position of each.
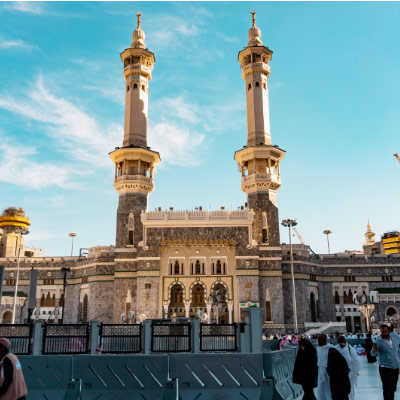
(255, 68)
(126, 184)
(260, 182)
(137, 69)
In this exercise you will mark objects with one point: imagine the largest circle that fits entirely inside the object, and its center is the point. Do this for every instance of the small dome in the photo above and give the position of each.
(254, 36)
(138, 37)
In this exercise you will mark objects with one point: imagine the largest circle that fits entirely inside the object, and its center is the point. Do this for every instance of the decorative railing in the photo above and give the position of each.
(197, 215)
(167, 338)
(121, 338)
(65, 339)
(20, 337)
(215, 337)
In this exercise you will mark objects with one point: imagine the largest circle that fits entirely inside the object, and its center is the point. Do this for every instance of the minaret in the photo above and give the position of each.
(259, 159)
(369, 236)
(14, 224)
(134, 162)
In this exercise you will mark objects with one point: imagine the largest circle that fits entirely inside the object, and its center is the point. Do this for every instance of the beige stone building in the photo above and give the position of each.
(171, 262)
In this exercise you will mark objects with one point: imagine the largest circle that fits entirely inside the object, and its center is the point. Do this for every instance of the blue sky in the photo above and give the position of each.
(334, 107)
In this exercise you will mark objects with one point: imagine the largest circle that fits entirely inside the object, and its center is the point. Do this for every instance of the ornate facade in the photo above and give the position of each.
(169, 262)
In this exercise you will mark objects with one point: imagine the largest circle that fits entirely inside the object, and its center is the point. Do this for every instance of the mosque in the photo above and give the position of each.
(202, 263)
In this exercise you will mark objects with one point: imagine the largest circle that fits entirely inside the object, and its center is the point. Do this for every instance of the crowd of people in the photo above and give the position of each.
(334, 369)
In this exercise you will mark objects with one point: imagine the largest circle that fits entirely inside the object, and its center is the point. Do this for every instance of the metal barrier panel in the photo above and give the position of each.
(218, 337)
(279, 366)
(222, 376)
(20, 337)
(49, 377)
(121, 338)
(117, 377)
(66, 339)
(167, 338)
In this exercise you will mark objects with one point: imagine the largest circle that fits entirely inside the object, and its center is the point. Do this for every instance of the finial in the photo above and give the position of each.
(253, 17)
(138, 19)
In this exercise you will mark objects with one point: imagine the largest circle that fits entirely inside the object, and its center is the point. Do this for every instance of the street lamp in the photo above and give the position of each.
(22, 231)
(290, 223)
(327, 232)
(64, 270)
(72, 234)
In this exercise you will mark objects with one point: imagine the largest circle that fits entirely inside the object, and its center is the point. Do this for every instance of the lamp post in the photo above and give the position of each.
(72, 235)
(290, 223)
(327, 232)
(64, 270)
(22, 231)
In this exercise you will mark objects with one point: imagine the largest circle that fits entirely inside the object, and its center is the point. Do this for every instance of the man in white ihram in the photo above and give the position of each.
(324, 390)
(353, 362)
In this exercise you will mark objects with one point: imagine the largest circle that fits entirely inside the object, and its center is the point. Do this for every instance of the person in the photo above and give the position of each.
(368, 348)
(386, 346)
(338, 372)
(324, 391)
(283, 342)
(305, 372)
(12, 382)
(353, 362)
(392, 332)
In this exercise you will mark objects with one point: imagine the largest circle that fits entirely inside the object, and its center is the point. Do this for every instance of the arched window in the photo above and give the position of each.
(257, 84)
(42, 301)
(7, 317)
(85, 310)
(337, 299)
(198, 297)
(345, 301)
(135, 85)
(313, 309)
(218, 269)
(176, 267)
(390, 312)
(249, 86)
(127, 88)
(197, 268)
(350, 298)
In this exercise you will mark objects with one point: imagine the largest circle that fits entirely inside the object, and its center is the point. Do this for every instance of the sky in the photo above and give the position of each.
(334, 94)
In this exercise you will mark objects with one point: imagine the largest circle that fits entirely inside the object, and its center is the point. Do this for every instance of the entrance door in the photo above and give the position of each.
(176, 305)
(198, 300)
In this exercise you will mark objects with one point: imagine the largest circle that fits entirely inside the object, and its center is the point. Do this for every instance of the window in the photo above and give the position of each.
(197, 267)
(264, 86)
(313, 309)
(387, 278)
(268, 313)
(176, 268)
(219, 268)
(85, 310)
(349, 278)
(10, 282)
(313, 277)
(84, 279)
(135, 85)
(143, 88)
(147, 285)
(249, 86)
(48, 281)
(337, 299)
(257, 84)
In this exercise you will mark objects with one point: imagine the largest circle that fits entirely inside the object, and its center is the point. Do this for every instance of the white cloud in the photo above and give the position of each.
(175, 131)
(16, 168)
(16, 43)
(25, 6)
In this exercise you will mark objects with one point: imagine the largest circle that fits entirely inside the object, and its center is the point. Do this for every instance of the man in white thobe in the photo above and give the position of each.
(324, 390)
(353, 362)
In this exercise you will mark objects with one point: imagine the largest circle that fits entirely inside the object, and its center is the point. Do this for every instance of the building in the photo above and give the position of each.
(178, 262)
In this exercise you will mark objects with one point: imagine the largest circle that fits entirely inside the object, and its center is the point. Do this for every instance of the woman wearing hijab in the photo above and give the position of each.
(305, 372)
(338, 372)
(368, 348)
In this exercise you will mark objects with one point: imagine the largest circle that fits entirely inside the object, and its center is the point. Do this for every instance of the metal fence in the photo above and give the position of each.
(20, 337)
(216, 337)
(66, 339)
(170, 338)
(121, 338)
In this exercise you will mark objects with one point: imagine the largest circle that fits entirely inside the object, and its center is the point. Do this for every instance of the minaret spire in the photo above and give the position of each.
(134, 162)
(259, 161)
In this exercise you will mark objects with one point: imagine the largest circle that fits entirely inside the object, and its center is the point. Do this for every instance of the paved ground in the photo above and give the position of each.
(369, 385)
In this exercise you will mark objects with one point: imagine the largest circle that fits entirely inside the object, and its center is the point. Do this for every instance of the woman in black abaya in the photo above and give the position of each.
(305, 372)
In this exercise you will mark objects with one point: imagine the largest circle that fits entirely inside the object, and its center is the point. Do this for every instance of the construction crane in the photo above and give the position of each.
(301, 240)
(298, 236)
